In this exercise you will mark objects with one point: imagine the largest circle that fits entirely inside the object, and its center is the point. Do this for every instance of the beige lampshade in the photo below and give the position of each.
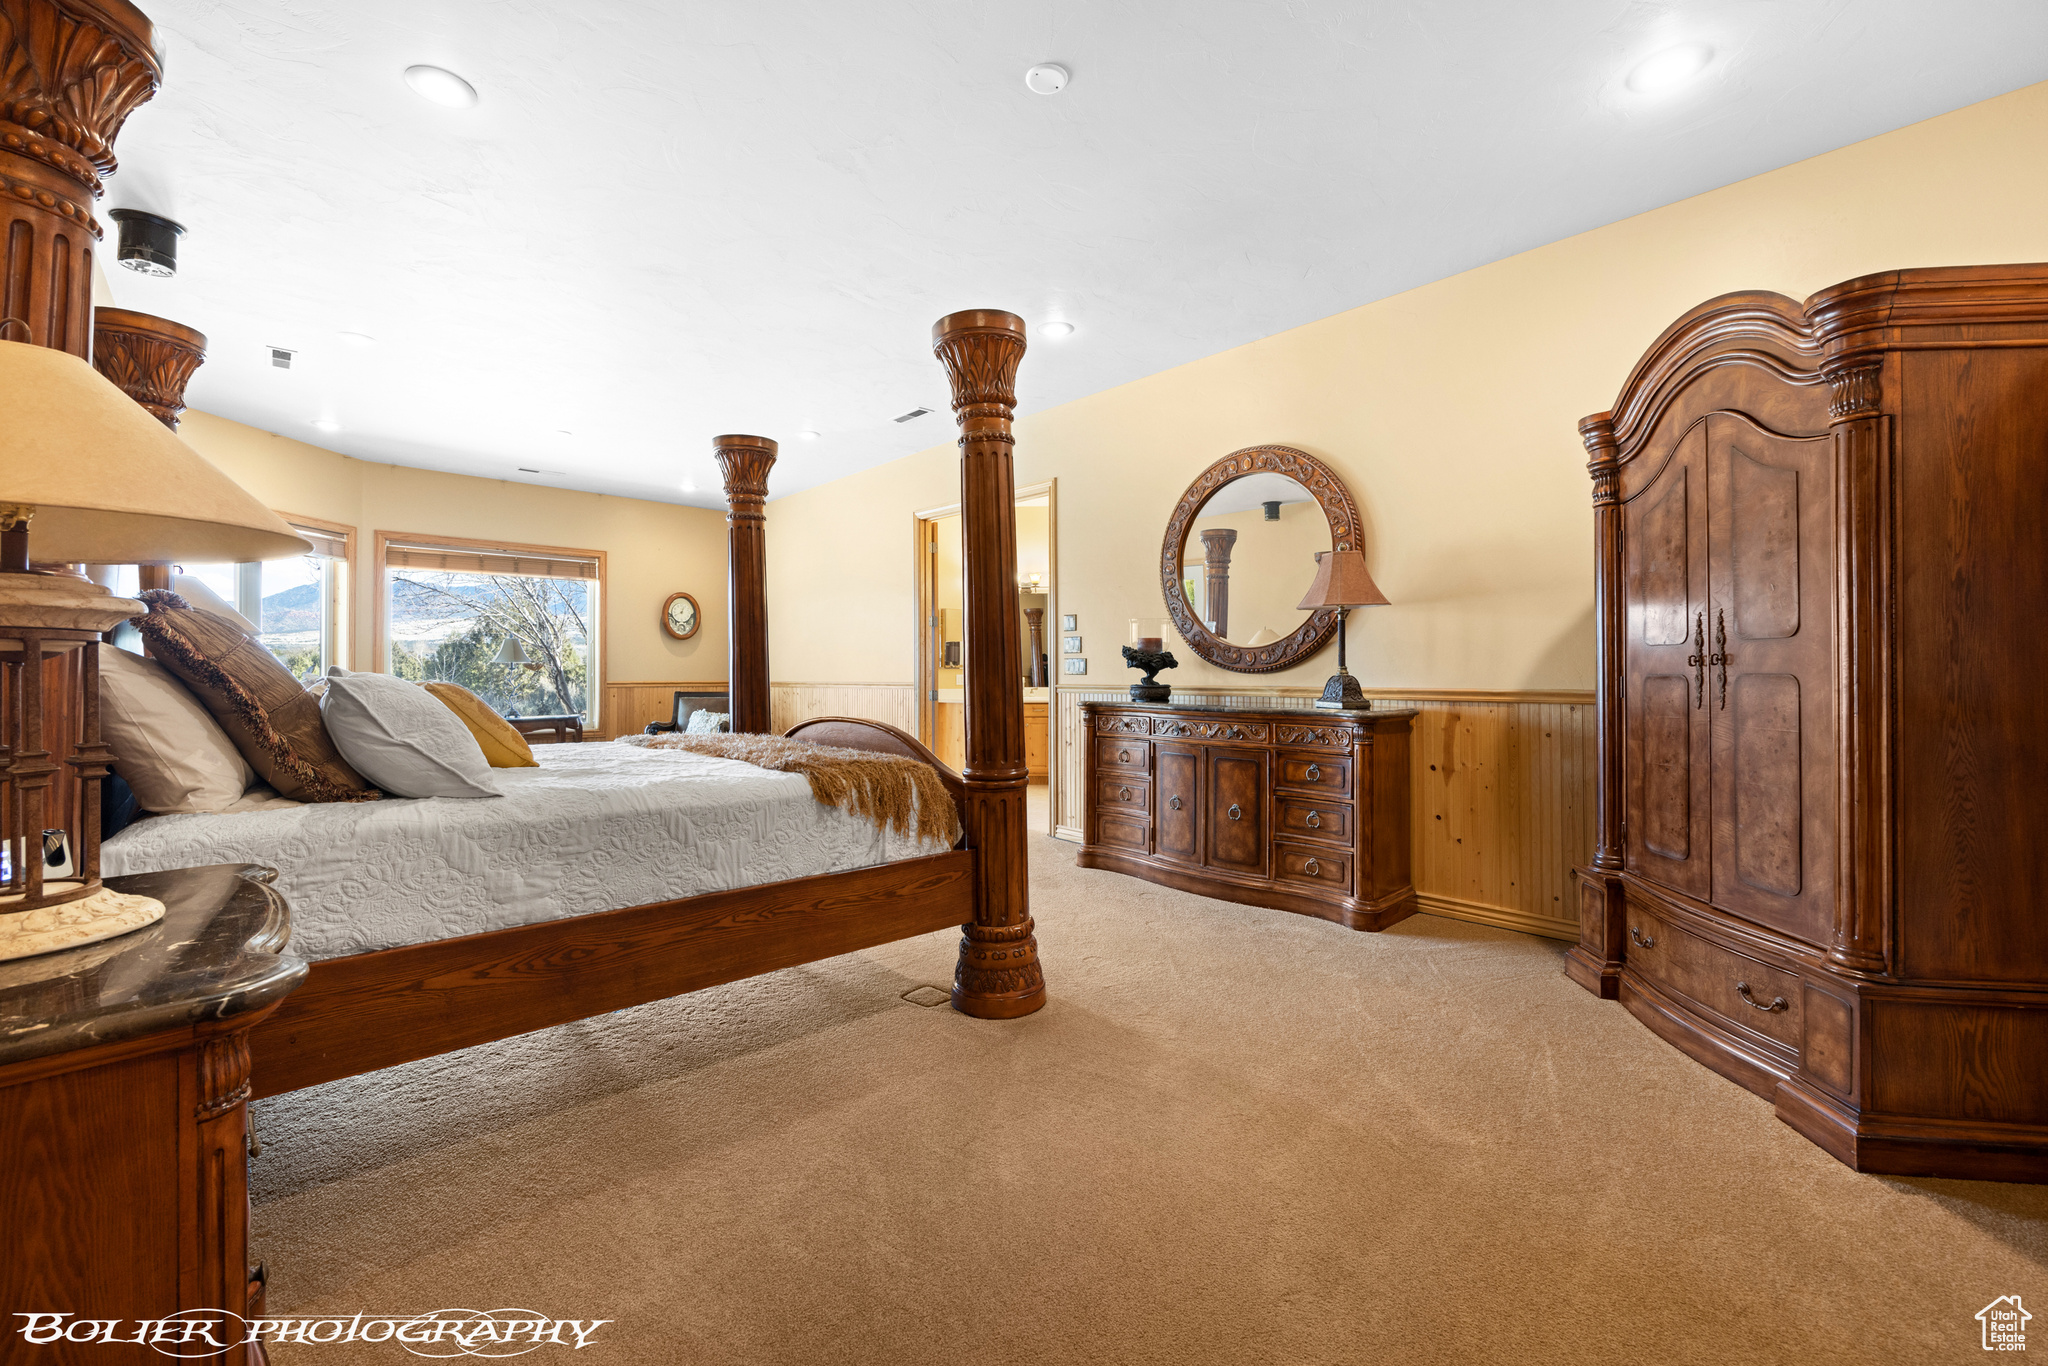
(1342, 581)
(109, 483)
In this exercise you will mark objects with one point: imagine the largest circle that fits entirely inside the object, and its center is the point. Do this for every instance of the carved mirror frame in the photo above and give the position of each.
(1338, 509)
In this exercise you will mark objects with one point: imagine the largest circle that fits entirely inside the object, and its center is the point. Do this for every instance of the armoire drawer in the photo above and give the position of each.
(1328, 869)
(1311, 820)
(1116, 754)
(1314, 773)
(1128, 795)
(1123, 830)
(1736, 987)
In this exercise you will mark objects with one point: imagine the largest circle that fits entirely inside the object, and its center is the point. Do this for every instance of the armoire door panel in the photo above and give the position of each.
(1177, 794)
(1237, 810)
(1666, 774)
(1764, 710)
(1770, 690)
(1667, 766)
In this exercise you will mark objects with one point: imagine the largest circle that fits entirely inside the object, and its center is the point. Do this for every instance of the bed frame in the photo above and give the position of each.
(374, 1010)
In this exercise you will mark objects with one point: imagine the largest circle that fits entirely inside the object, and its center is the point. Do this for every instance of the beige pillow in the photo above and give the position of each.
(167, 746)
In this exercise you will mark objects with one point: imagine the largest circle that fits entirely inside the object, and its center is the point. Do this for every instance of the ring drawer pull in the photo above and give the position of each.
(1777, 1002)
(1315, 773)
(1123, 756)
(1123, 794)
(1636, 937)
(1312, 868)
(1235, 814)
(1173, 802)
(1315, 820)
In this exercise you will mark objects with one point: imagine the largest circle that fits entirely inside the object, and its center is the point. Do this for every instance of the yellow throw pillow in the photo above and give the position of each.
(503, 746)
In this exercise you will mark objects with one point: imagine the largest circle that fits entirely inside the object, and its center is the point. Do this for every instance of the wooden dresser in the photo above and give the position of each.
(1820, 868)
(124, 1081)
(1288, 808)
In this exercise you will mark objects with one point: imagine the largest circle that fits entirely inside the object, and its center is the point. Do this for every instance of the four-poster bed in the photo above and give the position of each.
(366, 1011)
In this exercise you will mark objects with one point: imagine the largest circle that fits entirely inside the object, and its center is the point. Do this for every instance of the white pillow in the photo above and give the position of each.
(166, 745)
(403, 738)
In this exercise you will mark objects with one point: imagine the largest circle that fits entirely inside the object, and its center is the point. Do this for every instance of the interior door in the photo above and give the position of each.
(1237, 810)
(1666, 744)
(1177, 802)
(1770, 683)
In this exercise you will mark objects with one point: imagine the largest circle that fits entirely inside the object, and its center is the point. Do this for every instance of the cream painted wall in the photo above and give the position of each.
(652, 549)
(1450, 410)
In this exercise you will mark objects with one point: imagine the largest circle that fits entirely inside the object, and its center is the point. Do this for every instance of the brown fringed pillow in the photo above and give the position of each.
(272, 720)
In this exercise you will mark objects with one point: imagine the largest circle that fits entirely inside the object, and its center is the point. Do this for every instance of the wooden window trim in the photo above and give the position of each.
(345, 593)
(380, 597)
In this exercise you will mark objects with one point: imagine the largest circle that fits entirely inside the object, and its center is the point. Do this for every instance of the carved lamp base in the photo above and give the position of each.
(1149, 663)
(1342, 693)
(69, 924)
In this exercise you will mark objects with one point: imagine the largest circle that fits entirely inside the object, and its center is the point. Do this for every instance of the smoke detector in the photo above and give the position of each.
(149, 244)
(1047, 78)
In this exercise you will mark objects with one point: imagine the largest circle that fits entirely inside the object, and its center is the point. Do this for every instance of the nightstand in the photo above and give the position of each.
(124, 1080)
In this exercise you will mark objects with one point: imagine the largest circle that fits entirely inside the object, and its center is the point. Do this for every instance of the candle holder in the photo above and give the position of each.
(1147, 653)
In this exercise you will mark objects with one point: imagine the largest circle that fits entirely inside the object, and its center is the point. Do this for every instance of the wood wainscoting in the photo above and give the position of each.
(1504, 788)
(894, 704)
(628, 707)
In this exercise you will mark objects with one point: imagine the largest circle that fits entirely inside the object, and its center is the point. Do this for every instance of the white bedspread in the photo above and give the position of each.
(594, 828)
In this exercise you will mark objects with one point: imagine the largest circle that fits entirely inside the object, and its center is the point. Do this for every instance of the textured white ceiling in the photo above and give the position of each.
(666, 221)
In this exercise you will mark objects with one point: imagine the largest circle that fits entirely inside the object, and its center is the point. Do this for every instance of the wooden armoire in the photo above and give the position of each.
(1822, 581)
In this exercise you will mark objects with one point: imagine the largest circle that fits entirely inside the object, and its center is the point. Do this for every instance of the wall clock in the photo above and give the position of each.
(679, 616)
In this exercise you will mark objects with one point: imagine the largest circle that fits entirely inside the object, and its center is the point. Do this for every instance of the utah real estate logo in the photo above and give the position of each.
(2005, 1324)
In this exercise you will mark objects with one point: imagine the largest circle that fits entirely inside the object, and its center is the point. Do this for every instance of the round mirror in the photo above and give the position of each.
(1241, 551)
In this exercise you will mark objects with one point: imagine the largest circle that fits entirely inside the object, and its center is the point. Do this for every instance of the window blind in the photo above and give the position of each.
(325, 543)
(462, 560)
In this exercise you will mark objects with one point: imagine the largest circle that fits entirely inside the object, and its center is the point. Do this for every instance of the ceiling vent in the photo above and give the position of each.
(914, 413)
(281, 358)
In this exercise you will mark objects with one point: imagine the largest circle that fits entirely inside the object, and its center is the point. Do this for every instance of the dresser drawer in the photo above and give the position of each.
(1116, 829)
(1115, 753)
(1112, 724)
(1327, 869)
(1733, 986)
(1311, 820)
(1317, 773)
(1125, 794)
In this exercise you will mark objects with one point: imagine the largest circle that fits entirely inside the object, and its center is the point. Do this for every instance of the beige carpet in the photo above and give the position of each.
(1233, 1136)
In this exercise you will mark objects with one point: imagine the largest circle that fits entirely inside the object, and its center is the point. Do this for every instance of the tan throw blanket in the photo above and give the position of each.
(887, 789)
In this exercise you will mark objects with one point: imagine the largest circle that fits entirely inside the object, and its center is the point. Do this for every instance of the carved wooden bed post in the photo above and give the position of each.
(73, 75)
(998, 976)
(151, 359)
(745, 461)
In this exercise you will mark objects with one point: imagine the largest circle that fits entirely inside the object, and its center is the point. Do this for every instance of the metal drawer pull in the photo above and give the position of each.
(1777, 1002)
(1697, 661)
(1234, 812)
(1173, 802)
(1312, 868)
(1636, 937)
(1315, 773)
(1315, 820)
(1719, 659)
(1123, 756)
(1123, 794)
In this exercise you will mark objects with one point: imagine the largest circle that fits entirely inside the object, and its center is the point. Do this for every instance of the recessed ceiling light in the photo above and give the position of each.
(1047, 78)
(1669, 69)
(357, 339)
(808, 434)
(1058, 329)
(326, 424)
(689, 486)
(440, 85)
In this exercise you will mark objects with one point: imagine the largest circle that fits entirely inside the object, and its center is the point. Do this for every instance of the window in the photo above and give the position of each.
(299, 605)
(516, 625)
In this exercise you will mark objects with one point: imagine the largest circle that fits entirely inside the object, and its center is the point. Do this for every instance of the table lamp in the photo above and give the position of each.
(1342, 582)
(86, 476)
